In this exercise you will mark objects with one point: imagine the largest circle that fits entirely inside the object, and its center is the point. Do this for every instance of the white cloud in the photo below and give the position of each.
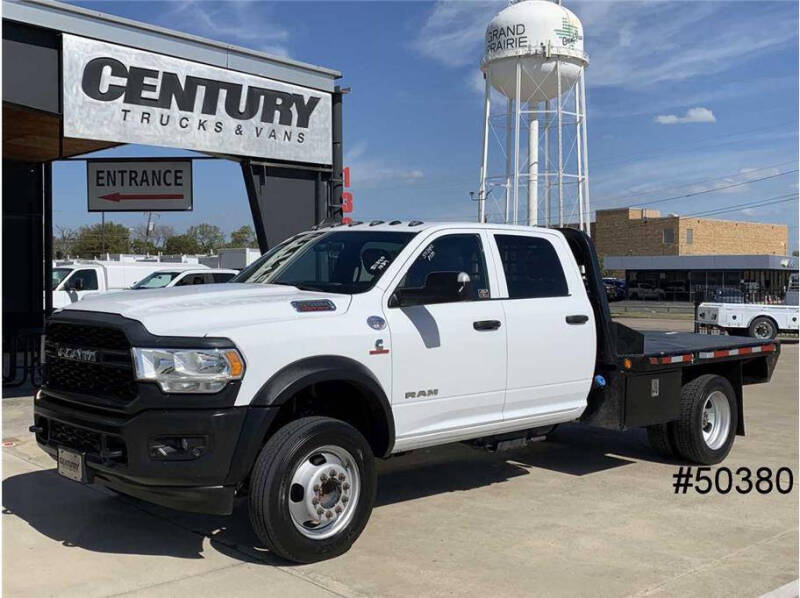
(633, 45)
(246, 23)
(371, 172)
(693, 115)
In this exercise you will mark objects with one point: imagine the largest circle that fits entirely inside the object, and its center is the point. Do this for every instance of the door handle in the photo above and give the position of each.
(577, 319)
(486, 325)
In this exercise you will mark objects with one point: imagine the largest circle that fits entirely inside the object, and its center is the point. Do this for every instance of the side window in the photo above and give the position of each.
(441, 263)
(222, 276)
(83, 280)
(191, 279)
(531, 266)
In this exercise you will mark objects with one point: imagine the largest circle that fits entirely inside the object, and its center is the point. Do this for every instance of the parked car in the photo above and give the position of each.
(347, 344)
(181, 278)
(645, 290)
(615, 289)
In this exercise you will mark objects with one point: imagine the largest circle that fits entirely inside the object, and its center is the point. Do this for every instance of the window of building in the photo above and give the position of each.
(531, 266)
(669, 236)
(689, 236)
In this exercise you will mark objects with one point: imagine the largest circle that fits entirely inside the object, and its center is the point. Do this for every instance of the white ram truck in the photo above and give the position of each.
(350, 343)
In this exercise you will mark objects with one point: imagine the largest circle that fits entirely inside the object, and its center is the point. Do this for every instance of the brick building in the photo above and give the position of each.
(672, 257)
(637, 231)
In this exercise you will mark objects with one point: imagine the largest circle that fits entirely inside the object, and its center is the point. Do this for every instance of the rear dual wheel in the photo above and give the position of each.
(706, 428)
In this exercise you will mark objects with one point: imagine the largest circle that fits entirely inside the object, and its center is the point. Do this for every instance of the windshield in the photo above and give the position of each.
(59, 274)
(331, 261)
(156, 280)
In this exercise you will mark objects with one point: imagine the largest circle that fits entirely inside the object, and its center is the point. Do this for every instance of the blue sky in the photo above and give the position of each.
(682, 97)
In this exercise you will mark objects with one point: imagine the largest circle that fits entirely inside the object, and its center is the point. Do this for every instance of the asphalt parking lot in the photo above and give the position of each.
(588, 513)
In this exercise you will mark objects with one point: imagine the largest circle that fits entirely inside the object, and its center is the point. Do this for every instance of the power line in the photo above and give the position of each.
(770, 201)
(692, 182)
(717, 188)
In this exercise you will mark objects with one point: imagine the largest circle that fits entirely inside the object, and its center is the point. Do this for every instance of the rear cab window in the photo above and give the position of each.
(531, 266)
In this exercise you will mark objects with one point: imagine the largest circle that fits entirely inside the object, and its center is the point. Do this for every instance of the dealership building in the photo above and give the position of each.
(680, 255)
(77, 81)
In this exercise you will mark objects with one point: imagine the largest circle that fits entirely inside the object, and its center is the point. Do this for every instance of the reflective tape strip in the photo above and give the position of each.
(668, 360)
(734, 352)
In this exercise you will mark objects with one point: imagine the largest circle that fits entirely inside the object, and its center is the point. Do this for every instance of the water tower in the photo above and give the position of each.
(534, 58)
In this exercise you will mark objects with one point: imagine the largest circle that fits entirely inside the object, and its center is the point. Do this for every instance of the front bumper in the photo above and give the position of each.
(118, 449)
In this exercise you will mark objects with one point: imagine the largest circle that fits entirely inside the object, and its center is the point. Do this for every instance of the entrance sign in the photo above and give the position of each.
(139, 185)
(120, 94)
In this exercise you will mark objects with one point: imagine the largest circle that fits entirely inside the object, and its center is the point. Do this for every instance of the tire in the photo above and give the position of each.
(292, 470)
(705, 434)
(661, 441)
(763, 329)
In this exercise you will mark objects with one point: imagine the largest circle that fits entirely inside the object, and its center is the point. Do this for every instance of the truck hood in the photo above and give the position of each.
(208, 309)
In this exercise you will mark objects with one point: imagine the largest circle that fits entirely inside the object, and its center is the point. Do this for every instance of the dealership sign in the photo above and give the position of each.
(139, 185)
(120, 94)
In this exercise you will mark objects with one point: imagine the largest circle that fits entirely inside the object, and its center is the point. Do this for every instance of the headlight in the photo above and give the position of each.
(188, 370)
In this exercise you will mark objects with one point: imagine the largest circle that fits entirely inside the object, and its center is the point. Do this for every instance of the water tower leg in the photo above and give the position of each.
(547, 163)
(560, 148)
(517, 103)
(510, 107)
(579, 156)
(487, 103)
(533, 169)
(585, 158)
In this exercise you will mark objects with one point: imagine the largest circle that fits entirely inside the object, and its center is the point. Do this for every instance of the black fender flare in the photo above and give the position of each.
(289, 380)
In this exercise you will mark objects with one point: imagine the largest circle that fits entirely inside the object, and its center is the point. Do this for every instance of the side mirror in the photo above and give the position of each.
(440, 287)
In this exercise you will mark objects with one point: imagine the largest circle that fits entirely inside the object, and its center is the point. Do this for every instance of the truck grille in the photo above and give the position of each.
(102, 367)
(79, 439)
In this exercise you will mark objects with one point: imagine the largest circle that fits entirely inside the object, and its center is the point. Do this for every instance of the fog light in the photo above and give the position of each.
(177, 448)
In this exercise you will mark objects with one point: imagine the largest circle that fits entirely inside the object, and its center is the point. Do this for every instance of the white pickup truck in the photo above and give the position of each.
(74, 280)
(350, 343)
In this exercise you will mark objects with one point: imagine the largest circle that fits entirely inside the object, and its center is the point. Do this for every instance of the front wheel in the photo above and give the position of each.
(312, 489)
(705, 431)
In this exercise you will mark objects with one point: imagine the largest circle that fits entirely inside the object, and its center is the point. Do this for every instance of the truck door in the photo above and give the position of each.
(448, 353)
(81, 283)
(550, 332)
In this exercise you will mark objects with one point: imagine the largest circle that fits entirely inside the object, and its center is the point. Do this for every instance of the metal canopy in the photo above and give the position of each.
(126, 32)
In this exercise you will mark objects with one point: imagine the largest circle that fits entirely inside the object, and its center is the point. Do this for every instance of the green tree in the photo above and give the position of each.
(140, 247)
(180, 244)
(208, 236)
(97, 239)
(244, 236)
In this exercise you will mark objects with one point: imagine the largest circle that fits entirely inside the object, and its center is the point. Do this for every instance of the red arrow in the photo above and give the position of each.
(124, 196)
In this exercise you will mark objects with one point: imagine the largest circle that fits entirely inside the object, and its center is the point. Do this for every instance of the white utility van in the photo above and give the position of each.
(75, 279)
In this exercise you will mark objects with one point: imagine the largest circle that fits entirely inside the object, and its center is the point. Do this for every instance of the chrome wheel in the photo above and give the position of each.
(716, 420)
(324, 492)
